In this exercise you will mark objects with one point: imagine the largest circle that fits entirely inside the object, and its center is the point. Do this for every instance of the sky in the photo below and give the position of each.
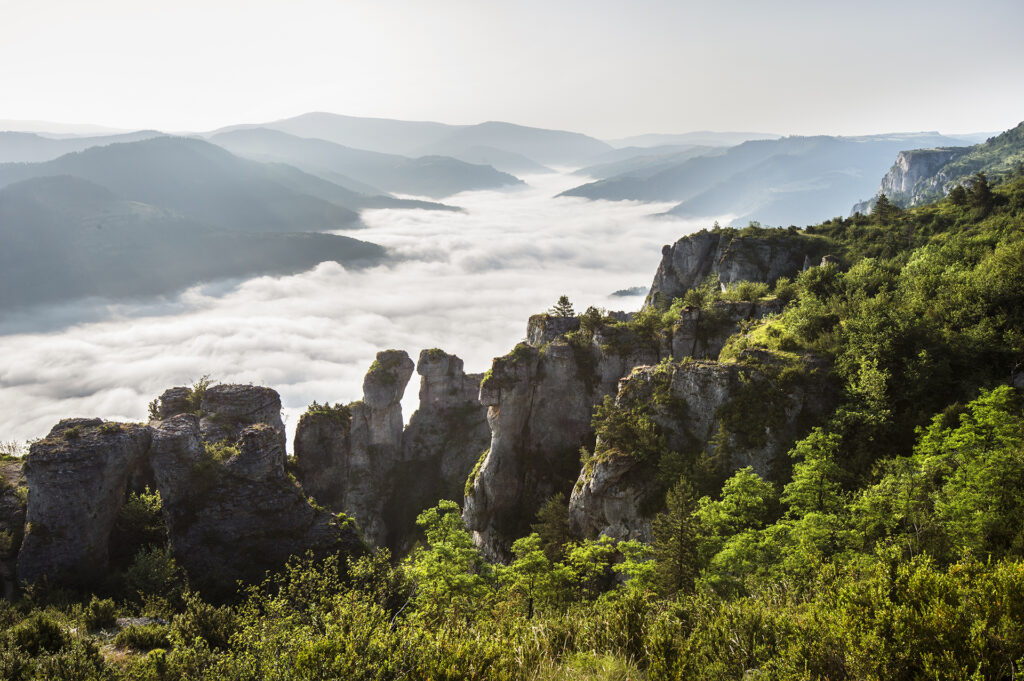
(606, 68)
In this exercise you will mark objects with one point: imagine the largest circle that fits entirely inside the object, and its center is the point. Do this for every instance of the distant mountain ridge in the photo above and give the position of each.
(421, 138)
(67, 238)
(792, 180)
(921, 176)
(28, 147)
(431, 176)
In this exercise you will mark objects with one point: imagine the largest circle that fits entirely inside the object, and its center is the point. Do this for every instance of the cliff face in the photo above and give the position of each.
(539, 405)
(77, 480)
(730, 257)
(13, 495)
(733, 414)
(359, 460)
(231, 512)
(442, 442)
(345, 456)
(237, 517)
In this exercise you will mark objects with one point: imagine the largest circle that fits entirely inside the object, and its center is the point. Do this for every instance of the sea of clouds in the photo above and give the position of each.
(464, 282)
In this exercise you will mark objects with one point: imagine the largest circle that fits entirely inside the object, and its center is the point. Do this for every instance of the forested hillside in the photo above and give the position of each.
(887, 542)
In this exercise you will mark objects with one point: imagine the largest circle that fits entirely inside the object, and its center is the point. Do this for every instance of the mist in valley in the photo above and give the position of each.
(464, 281)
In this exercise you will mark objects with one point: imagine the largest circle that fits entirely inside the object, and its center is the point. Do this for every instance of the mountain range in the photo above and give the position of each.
(791, 180)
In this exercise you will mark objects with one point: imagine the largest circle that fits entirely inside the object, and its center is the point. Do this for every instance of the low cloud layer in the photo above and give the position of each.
(466, 283)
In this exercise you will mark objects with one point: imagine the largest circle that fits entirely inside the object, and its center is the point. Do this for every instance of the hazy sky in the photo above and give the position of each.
(605, 68)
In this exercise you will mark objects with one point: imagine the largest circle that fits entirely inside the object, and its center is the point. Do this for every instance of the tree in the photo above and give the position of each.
(981, 192)
(815, 487)
(552, 527)
(883, 210)
(674, 529)
(563, 308)
(958, 195)
(447, 572)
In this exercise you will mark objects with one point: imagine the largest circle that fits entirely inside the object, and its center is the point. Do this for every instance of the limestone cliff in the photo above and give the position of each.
(77, 478)
(13, 495)
(707, 414)
(345, 456)
(539, 404)
(230, 509)
(730, 256)
(235, 516)
(917, 177)
(442, 442)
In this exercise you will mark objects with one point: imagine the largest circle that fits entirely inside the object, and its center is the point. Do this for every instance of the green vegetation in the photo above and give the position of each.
(342, 413)
(891, 547)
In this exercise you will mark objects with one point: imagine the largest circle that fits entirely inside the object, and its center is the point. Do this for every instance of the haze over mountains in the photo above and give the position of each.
(145, 213)
(791, 180)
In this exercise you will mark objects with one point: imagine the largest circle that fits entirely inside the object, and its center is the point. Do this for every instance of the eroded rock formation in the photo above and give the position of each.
(734, 414)
(230, 509)
(730, 257)
(346, 455)
(77, 479)
(13, 495)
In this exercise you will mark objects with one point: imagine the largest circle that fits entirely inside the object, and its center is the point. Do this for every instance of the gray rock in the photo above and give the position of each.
(730, 258)
(346, 457)
(227, 409)
(172, 402)
(236, 519)
(616, 493)
(540, 404)
(13, 494)
(701, 334)
(77, 478)
(543, 328)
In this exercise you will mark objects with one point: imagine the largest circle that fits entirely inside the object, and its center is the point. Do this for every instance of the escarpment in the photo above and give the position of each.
(345, 455)
(13, 495)
(539, 405)
(729, 256)
(358, 459)
(230, 509)
(77, 479)
(699, 418)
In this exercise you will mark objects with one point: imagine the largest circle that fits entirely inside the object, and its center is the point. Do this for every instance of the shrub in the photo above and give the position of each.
(154, 571)
(143, 637)
(100, 614)
(39, 633)
(200, 620)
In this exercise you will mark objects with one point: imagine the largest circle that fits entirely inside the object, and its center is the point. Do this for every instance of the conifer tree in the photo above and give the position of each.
(674, 531)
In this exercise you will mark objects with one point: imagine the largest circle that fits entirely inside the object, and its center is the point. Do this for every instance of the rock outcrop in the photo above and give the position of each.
(346, 455)
(77, 477)
(444, 439)
(231, 512)
(540, 401)
(736, 414)
(702, 333)
(916, 177)
(358, 459)
(230, 509)
(13, 495)
(730, 256)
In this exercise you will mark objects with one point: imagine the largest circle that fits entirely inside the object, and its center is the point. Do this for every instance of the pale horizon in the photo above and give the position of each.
(608, 71)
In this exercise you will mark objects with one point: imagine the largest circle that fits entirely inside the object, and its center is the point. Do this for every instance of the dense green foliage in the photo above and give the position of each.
(892, 549)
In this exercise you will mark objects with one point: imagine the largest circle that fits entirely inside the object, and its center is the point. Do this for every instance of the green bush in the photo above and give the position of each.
(143, 637)
(99, 614)
(39, 633)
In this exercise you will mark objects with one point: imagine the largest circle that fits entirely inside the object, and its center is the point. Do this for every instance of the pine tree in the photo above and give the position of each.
(553, 527)
(883, 209)
(674, 530)
(981, 192)
(563, 308)
(958, 195)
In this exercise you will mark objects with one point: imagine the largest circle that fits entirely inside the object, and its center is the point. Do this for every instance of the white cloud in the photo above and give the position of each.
(466, 283)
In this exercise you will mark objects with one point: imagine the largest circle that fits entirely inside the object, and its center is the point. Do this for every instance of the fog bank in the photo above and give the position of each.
(465, 283)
